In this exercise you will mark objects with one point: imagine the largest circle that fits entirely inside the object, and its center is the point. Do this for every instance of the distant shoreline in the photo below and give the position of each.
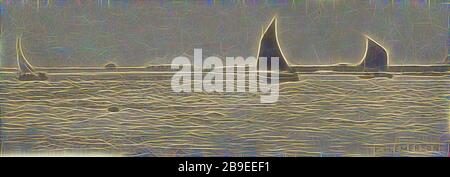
(301, 69)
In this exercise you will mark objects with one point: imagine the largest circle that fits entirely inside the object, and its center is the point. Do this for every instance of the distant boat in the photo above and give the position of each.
(269, 47)
(375, 58)
(376, 75)
(26, 72)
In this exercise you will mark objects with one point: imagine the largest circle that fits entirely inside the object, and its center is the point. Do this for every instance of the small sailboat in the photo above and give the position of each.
(269, 47)
(375, 58)
(375, 61)
(26, 72)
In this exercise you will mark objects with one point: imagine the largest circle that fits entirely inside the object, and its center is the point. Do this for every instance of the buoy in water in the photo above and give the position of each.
(113, 109)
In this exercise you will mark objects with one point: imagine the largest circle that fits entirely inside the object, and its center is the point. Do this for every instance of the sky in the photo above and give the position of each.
(138, 33)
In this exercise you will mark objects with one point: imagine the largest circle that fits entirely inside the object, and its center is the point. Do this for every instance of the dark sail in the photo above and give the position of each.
(269, 47)
(376, 57)
(23, 65)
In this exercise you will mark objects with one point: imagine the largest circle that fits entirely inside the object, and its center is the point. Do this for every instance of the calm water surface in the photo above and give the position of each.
(316, 116)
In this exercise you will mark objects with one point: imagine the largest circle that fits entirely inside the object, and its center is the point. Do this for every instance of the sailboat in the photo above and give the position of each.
(26, 72)
(375, 59)
(269, 48)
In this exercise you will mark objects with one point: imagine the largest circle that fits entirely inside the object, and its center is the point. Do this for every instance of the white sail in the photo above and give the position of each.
(23, 65)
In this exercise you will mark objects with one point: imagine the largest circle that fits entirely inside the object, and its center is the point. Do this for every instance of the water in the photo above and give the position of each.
(317, 116)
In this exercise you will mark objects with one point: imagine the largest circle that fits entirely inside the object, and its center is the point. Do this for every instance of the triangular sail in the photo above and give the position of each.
(375, 58)
(269, 47)
(23, 65)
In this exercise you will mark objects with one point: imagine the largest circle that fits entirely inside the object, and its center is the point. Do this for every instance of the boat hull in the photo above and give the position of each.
(32, 77)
